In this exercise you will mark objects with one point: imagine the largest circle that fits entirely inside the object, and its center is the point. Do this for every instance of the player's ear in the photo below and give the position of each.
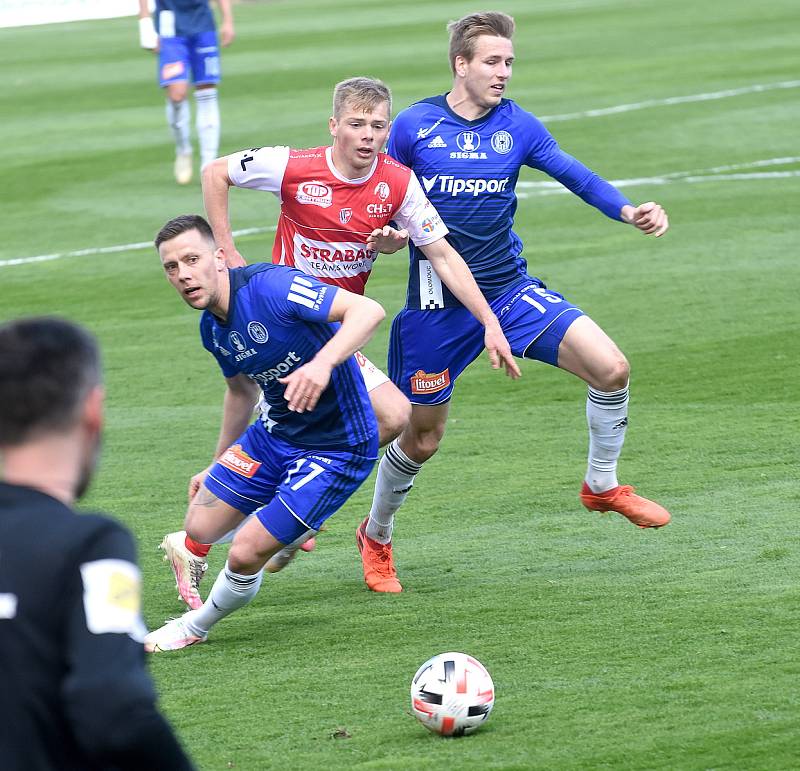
(219, 256)
(92, 413)
(461, 66)
(332, 126)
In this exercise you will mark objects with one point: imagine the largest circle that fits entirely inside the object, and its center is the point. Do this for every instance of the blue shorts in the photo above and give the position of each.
(429, 349)
(177, 55)
(291, 489)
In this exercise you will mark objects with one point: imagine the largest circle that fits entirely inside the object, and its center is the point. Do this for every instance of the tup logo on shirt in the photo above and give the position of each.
(315, 192)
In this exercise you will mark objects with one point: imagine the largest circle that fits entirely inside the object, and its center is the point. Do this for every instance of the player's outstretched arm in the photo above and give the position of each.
(359, 317)
(456, 275)
(387, 240)
(216, 184)
(648, 217)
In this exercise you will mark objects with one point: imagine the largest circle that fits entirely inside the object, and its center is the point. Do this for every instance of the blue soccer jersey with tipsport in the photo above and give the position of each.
(276, 323)
(469, 170)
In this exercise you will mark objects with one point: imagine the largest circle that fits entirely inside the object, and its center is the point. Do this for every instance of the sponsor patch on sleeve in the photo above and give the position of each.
(112, 598)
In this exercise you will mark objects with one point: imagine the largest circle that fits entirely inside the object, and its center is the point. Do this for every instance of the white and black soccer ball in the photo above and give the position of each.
(452, 694)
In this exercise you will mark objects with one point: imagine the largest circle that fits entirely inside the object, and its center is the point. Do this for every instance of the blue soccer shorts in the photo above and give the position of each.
(291, 489)
(429, 349)
(198, 53)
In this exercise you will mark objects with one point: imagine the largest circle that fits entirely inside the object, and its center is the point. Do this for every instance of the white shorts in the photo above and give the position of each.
(373, 377)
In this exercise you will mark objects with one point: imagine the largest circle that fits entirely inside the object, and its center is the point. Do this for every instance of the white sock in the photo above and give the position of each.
(178, 118)
(607, 415)
(207, 124)
(396, 473)
(230, 592)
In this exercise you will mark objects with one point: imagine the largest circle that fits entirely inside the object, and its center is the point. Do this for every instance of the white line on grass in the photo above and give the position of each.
(139, 245)
(754, 89)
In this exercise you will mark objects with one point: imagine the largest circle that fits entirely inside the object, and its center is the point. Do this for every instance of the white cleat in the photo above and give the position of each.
(183, 168)
(173, 636)
(187, 568)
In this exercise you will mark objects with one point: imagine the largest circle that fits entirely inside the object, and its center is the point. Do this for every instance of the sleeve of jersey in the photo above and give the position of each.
(419, 216)
(208, 344)
(548, 157)
(398, 145)
(261, 168)
(108, 695)
(292, 294)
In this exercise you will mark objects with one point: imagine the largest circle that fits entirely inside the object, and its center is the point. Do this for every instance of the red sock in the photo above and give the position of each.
(198, 549)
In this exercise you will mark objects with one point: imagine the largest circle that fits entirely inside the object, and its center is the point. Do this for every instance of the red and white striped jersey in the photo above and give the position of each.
(325, 218)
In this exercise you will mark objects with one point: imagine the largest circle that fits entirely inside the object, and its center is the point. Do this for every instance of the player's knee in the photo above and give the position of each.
(177, 92)
(616, 375)
(245, 558)
(392, 422)
(424, 443)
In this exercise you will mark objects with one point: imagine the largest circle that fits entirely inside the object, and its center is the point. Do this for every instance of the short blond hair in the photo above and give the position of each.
(362, 93)
(465, 31)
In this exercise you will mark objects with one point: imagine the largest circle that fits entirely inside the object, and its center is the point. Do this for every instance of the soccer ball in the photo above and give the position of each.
(452, 694)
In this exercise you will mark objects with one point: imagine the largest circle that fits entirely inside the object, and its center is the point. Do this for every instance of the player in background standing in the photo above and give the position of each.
(185, 36)
(336, 205)
(467, 148)
(75, 693)
(316, 440)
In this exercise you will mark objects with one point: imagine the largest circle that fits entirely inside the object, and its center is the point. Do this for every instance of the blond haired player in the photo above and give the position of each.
(336, 205)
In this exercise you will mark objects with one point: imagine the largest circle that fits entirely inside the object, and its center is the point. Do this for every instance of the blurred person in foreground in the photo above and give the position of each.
(75, 693)
(184, 34)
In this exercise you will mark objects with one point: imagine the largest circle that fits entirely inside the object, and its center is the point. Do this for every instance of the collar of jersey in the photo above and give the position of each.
(441, 101)
(336, 173)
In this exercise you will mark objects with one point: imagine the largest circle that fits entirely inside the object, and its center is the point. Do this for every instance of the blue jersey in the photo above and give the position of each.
(469, 170)
(276, 323)
(191, 17)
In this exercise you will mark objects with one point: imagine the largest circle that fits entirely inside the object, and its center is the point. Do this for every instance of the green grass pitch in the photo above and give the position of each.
(610, 647)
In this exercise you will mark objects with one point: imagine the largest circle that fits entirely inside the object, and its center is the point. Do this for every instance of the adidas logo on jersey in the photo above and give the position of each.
(437, 141)
(302, 292)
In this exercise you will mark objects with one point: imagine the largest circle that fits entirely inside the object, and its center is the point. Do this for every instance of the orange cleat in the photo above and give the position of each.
(379, 572)
(623, 500)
